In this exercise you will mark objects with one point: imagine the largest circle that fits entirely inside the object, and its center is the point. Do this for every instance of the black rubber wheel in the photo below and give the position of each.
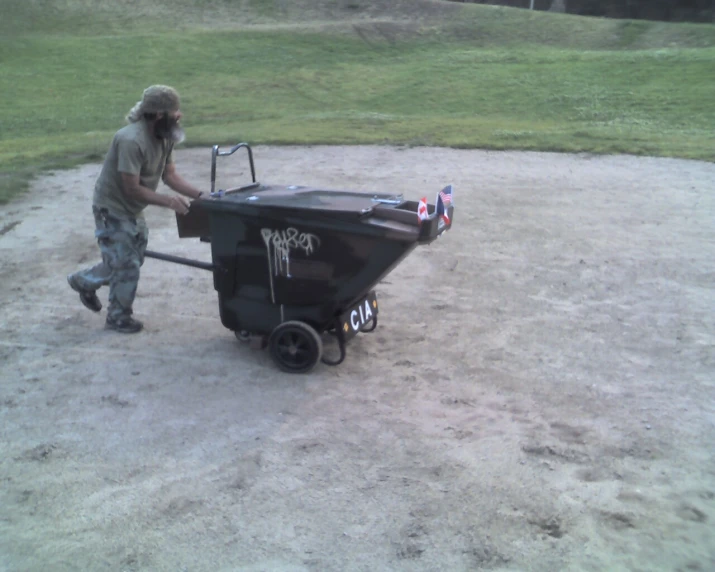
(242, 335)
(295, 347)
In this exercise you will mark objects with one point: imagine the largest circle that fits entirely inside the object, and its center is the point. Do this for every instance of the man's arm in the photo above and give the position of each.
(176, 182)
(134, 189)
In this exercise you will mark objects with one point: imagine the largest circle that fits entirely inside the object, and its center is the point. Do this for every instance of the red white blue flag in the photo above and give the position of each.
(446, 195)
(422, 213)
(444, 199)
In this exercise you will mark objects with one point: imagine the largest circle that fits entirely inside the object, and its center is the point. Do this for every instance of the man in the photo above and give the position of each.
(140, 155)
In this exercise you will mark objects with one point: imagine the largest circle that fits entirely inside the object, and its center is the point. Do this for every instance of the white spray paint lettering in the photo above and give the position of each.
(358, 318)
(280, 244)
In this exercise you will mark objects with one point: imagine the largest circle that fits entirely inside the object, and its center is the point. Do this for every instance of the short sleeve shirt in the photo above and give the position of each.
(136, 151)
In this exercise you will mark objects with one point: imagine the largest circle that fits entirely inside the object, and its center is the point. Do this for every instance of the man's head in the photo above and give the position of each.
(160, 104)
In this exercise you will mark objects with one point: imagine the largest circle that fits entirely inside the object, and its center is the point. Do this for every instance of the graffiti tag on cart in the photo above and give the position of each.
(281, 243)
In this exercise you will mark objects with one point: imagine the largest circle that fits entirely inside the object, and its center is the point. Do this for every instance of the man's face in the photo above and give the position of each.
(167, 126)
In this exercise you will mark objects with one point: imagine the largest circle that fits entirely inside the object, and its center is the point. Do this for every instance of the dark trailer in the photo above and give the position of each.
(293, 262)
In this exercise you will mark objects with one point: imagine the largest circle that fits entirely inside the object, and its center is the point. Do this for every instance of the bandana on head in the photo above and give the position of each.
(156, 99)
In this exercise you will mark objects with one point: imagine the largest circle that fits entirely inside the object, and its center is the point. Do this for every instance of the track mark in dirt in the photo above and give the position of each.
(243, 473)
(409, 551)
(86, 256)
(9, 226)
(410, 547)
(459, 434)
(550, 526)
(567, 455)
(691, 513)
(569, 433)
(114, 399)
(309, 447)
(456, 401)
(68, 323)
(485, 557)
(415, 530)
(617, 520)
(134, 561)
(415, 340)
(241, 483)
(131, 562)
(634, 496)
(180, 507)
(692, 567)
(43, 452)
(637, 450)
(594, 475)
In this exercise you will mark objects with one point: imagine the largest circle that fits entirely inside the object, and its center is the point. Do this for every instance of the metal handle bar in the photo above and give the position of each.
(180, 260)
(397, 201)
(216, 153)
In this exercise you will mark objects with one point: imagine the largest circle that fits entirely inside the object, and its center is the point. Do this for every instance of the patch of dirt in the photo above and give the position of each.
(8, 227)
(537, 395)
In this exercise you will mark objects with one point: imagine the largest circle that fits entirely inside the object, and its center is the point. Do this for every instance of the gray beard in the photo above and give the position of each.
(177, 134)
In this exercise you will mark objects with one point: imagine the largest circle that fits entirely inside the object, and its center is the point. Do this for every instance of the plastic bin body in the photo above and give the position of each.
(299, 253)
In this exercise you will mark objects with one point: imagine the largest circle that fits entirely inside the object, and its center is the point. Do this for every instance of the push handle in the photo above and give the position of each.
(215, 152)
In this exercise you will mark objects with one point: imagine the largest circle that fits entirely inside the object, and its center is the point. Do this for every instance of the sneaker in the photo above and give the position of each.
(124, 325)
(87, 297)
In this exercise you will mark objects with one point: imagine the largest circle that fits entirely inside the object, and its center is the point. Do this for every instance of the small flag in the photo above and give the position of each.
(444, 199)
(442, 209)
(446, 195)
(422, 213)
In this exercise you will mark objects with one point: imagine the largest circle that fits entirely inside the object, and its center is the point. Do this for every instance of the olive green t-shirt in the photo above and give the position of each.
(137, 151)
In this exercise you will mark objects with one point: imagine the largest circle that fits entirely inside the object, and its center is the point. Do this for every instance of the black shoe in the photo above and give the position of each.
(124, 325)
(87, 297)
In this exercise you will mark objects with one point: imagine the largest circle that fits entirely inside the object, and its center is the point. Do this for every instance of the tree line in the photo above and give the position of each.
(663, 10)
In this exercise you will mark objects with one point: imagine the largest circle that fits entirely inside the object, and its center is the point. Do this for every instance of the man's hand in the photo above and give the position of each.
(132, 188)
(178, 204)
(177, 183)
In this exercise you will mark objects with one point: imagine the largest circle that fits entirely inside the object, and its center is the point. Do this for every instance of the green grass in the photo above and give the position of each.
(489, 78)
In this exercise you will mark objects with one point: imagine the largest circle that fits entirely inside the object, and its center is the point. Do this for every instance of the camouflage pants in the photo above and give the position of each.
(122, 242)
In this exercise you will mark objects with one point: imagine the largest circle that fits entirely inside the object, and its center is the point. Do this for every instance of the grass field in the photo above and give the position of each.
(412, 73)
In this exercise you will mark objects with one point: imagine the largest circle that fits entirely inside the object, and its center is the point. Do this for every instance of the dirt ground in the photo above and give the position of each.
(538, 394)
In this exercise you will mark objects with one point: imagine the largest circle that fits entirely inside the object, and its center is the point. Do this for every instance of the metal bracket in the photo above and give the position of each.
(372, 328)
(337, 333)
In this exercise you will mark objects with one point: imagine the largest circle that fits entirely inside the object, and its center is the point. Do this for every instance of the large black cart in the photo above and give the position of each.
(291, 263)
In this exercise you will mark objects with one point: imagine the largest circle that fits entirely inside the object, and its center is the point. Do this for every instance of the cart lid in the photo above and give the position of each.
(309, 198)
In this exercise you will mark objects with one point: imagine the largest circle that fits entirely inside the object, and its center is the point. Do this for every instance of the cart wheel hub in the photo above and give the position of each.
(295, 346)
